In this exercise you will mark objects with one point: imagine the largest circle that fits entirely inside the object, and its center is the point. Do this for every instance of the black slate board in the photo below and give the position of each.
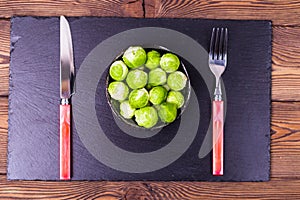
(33, 143)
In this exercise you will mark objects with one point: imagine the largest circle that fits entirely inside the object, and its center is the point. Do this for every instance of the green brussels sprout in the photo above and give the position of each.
(139, 98)
(137, 79)
(118, 90)
(157, 77)
(176, 98)
(177, 81)
(167, 112)
(146, 117)
(126, 110)
(153, 59)
(118, 70)
(169, 62)
(134, 57)
(157, 95)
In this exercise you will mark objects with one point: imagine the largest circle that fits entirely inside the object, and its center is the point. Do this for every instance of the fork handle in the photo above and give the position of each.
(65, 143)
(218, 124)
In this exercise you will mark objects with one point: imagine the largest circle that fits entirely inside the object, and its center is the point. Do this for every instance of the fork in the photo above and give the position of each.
(217, 62)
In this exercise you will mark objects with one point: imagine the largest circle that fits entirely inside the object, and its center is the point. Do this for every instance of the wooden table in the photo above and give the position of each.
(285, 133)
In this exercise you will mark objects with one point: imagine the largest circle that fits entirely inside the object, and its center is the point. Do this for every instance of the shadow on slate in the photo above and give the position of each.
(33, 141)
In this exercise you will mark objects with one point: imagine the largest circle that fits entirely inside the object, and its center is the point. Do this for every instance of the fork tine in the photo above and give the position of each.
(221, 50)
(212, 41)
(225, 46)
(217, 40)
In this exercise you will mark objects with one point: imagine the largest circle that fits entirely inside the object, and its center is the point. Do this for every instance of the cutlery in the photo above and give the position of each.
(66, 91)
(217, 63)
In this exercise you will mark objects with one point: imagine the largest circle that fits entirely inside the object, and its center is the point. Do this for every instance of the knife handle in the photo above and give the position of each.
(65, 144)
(218, 124)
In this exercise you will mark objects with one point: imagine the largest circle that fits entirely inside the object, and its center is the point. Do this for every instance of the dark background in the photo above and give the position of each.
(34, 101)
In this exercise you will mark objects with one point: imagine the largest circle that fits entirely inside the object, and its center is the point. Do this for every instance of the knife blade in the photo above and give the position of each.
(66, 91)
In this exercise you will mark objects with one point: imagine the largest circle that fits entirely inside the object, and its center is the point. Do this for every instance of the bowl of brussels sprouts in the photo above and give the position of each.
(148, 87)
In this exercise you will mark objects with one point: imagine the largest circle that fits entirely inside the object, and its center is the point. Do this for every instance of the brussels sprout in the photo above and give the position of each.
(169, 62)
(118, 90)
(153, 59)
(177, 81)
(138, 98)
(176, 98)
(157, 77)
(118, 70)
(146, 117)
(126, 110)
(157, 95)
(134, 57)
(167, 112)
(137, 79)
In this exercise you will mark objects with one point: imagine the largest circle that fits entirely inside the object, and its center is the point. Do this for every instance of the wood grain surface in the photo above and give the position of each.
(285, 145)
(283, 12)
(3, 133)
(4, 56)
(276, 189)
(121, 8)
(286, 64)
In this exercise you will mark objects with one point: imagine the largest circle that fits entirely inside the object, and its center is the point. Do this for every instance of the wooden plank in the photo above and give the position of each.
(285, 146)
(4, 56)
(286, 64)
(122, 8)
(3, 133)
(285, 69)
(284, 12)
(148, 190)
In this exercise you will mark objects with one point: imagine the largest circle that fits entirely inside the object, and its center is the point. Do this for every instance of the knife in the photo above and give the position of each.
(66, 91)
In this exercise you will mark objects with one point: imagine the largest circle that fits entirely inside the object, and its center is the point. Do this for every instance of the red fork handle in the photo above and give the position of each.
(65, 144)
(218, 124)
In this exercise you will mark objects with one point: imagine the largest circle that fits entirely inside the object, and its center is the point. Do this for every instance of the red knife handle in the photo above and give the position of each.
(218, 124)
(65, 144)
